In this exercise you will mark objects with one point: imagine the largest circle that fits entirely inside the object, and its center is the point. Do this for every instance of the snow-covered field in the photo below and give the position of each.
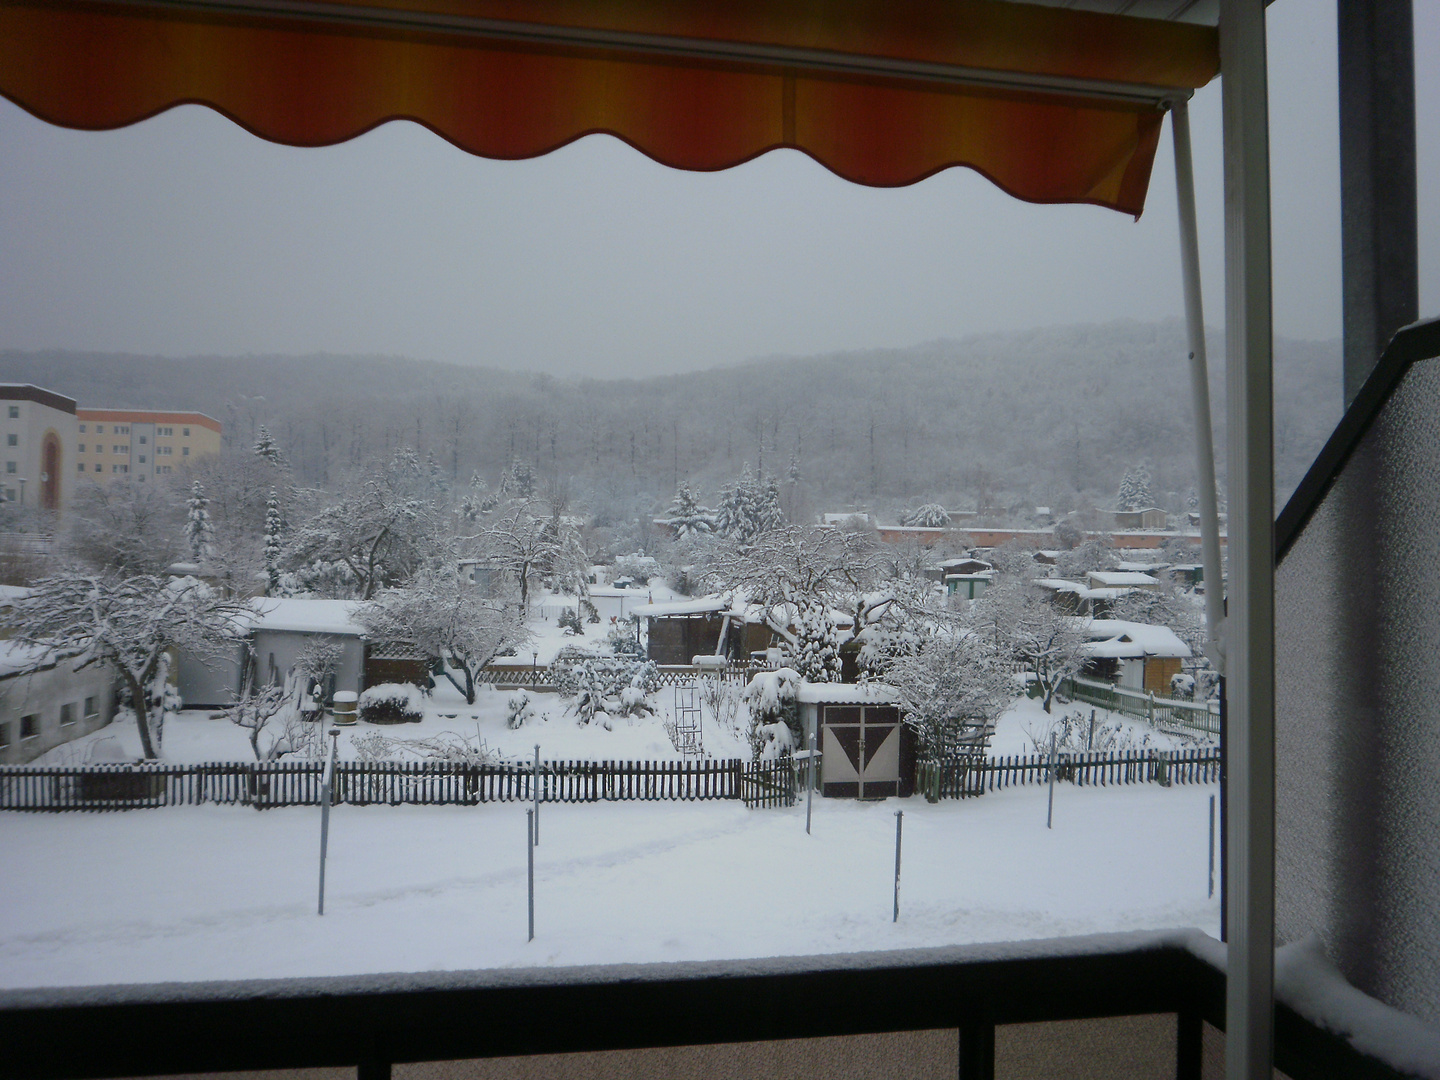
(192, 736)
(229, 892)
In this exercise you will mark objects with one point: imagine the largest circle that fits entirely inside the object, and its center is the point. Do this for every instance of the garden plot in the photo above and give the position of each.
(210, 892)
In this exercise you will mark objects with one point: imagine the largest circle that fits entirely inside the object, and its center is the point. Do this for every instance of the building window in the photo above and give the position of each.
(142, 456)
(142, 440)
(167, 431)
(67, 714)
(99, 467)
(122, 429)
(12, 440)
(82, 448)
(184, 451)
(82, 429)
(80, 466)
(30, 726)
(185, 432)
(14, 412)
(4, 736)
(92, 708)
(99, 429)
(10, 467)
(164, 450)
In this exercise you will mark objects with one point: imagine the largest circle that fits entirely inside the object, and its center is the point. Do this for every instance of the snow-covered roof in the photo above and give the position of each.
(1056, 584)
(872, 693)
(307, 616)
(983, 575)
(1122, 639)
(1140, 567)
(1120, 579)
(9, 593)
(16, 657)
(704, 606)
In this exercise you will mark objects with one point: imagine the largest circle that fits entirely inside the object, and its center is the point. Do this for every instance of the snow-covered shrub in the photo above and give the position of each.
(519, 710)
(774, 741)
(1182, 686)
(589, 610)
(929, 516)
(816, 653)
(639, 567)
(598, 684)
(446, 746)
(1077, 733)
(392, 703)
(771, 696)
(623, 639)
(569, 621)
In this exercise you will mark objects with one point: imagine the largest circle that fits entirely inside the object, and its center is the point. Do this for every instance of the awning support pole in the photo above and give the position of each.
(1199, 385)
(1250, 620)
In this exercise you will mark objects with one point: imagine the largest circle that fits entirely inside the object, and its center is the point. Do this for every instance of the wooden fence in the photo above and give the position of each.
(542, 678)
(1198, 716)
(390, 783)
(963, 777)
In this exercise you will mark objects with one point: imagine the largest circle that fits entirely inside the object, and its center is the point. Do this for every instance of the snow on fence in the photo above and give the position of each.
(1199, 716)
(391, 783)
(963, 777)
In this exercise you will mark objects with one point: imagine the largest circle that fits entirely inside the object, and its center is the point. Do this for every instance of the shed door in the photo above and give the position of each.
(861, 751)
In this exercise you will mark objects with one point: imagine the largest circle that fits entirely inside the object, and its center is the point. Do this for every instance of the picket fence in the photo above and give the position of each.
(1198, 716)
(967, 776)
(390, 783)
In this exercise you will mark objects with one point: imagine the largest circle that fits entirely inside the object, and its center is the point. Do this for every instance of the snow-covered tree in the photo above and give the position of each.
(266, 447)
(271, 715)
(522, 543)
(952, 689)
(1134, 493)
(687, 517)
(817, 646)
(1024, 626)
(125, 526)
(477, 499)
(131, 623)
(199, 533)
(446, 620)
(749, 508)
(379, 530)
(274, 543)
(518, 481)
(929, 516)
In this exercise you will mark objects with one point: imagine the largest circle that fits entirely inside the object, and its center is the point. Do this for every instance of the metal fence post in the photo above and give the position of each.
(530, 867)
(327, 780)
(899, 819)
(1050, 808)
(535, 830)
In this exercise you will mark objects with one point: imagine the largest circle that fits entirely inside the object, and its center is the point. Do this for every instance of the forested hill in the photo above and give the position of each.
(1052, 416)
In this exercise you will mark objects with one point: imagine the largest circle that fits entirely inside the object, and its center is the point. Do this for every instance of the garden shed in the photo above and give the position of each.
(682, 630)
(865, 750)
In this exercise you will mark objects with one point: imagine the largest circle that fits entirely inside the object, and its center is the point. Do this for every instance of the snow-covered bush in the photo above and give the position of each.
(771, 696)
(1182, 686)
(774, 741)
(569, 621)
(392, 703)
(448, 746)
(623, 639)
(1077, 733)
(612, 686)
(519, 710)
(929, 516)
(638, 566)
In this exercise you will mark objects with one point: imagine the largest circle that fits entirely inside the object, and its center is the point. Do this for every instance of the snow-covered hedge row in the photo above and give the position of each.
(392, 703)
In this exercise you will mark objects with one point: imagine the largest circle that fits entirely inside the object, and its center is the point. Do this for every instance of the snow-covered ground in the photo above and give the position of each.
(228, 892)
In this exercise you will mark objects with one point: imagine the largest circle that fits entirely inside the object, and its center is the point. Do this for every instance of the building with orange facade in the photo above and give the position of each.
(140, 443)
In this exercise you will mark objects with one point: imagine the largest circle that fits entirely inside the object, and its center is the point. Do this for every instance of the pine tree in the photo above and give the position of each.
(687, 516)
(749, 507)
(817, 652)
(267, 448)
(273, 548)
(929, 516)
(1134, 493)
(199, 533)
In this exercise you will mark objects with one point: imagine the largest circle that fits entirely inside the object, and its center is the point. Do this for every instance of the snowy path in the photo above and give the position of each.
(226, 892)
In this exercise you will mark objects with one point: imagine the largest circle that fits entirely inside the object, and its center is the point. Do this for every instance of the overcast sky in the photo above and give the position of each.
(185, 235)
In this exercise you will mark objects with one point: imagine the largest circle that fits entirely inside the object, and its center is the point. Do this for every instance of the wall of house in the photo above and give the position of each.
(1356, 725)
(678, 639)
(45, 696)
(211, 684)
(277, 651)
(1158, 672)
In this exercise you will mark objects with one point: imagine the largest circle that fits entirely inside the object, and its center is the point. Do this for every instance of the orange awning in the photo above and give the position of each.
(1053, 105)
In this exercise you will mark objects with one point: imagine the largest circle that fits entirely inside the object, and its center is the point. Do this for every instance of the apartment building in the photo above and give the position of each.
(120, 442)
(38, 429)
